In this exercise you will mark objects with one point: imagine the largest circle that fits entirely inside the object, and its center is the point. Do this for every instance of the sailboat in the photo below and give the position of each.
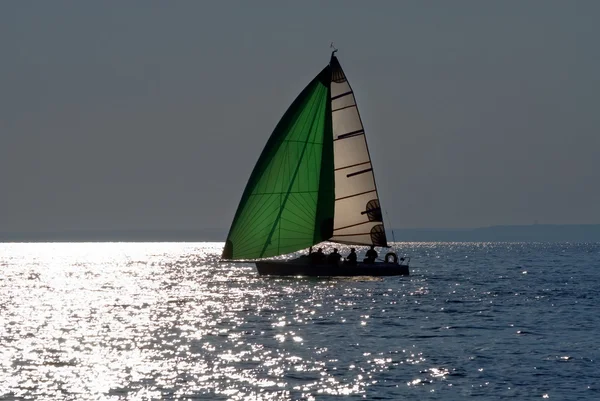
(313, 182)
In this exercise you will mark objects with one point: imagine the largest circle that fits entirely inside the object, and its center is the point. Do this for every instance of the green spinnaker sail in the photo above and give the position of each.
(288, 203)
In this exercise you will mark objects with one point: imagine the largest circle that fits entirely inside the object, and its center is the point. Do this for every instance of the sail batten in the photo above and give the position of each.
(355, 188)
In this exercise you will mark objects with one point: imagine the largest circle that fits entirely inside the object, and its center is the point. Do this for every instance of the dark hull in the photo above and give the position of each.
(304, 268)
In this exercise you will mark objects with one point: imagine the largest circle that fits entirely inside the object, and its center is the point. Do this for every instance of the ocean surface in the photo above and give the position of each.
(167, 321)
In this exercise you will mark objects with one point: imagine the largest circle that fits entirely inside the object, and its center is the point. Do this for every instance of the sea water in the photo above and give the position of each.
(141, 321)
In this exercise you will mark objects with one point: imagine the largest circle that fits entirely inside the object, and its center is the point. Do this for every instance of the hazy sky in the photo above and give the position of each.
(140, 114)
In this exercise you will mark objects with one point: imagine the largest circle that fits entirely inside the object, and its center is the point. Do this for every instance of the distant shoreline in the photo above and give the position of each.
(512, 233)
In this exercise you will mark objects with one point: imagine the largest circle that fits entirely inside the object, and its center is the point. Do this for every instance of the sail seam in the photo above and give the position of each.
(350, 235)
(297, 141)
(293, 231)
(308, 221)
(352, 225)
(341, 95)
(351, 196)
(302, 207)
(259, 216)
(277, 193)
(352, 165)
(253, 242)
(342, 108)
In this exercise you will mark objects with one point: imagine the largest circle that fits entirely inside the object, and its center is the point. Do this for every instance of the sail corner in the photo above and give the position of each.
(227, 250)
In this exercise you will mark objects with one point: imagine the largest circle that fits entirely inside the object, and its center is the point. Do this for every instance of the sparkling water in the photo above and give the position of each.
(141, 321)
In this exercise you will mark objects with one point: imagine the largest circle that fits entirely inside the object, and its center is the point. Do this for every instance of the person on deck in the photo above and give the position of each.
(351, 258)
(334, 257)
(371, 255)
(317, 257)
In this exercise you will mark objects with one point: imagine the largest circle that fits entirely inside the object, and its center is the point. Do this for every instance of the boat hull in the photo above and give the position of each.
(296, 268)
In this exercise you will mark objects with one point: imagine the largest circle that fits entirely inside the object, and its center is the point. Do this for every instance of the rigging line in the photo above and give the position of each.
(389, 221)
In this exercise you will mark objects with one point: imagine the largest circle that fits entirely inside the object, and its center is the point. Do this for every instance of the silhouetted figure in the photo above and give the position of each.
(351, 259)
(371, 255)
(334, 257)
(317, 257)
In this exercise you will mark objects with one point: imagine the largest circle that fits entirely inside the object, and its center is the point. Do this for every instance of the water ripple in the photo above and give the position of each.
(168, 321)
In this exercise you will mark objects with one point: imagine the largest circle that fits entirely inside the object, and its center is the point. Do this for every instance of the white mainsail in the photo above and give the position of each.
(358, 218)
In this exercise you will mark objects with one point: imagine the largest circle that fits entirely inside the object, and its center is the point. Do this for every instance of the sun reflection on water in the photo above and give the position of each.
(169, 321)
(141, 321)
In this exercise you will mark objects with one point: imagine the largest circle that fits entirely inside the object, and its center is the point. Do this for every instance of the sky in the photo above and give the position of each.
(151, 115)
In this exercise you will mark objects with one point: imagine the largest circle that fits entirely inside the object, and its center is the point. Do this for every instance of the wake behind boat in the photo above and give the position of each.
(313, 182)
